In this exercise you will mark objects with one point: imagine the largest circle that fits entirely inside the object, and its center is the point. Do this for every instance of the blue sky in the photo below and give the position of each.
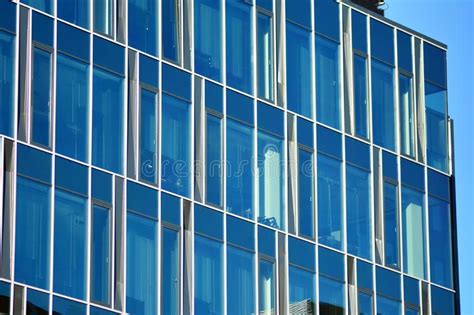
(451, 22)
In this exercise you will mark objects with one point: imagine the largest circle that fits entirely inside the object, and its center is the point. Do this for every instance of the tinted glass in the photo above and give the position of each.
(365, 304)
(7, 49)
(404, 51)
(436, 126)
(170, 15)
(326, 18)
(148, 136)
(170, 209)
(299, 12)
(361, 115)
(240, 233)
(40, 169)
(388, 306)
(301, 253)
(101, 186)
(391, 225)
(5, 293)
(266, 241)
(214, 160)
(43, 5)
(109, 55)
(302, 291)
(104, 17)
(149, 70)
(390, 165)
(306, 193)
(331, 296)
(41, 97)
(37, 302)
(240, 107)
(270, 119)
(208, 222)
(43, 29)
(382, 46)
(265, 66)
(442, 301)
(143, 25)
(435, 64)
(388, 283)
(359, 31)
(100, 255)
(266, 284)
(331, 264)
(413, 174)
(74, 11)
(170, 272)
(364, 275)
(176, 82)
(407, 120)
(240, 282)
(71, 176)
(358, 153)
(142, 199)
(329, 142)
(214, 96)
(411, 288)
(439, 185)
(63, 306)
(305, 132)
(8, 16)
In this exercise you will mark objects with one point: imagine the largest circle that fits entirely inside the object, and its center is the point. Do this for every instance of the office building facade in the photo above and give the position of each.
(223, 157)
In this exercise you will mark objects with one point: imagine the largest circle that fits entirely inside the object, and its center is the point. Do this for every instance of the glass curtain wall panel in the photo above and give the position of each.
(170, 271)
(365, 303)
(207, 38)
(436, 126)
(386, 306)
(214, 160)
(74, 11)
(327, 82)
(240, 282)
(66, 306)
(143, 25)
(72, 107)
(7, 76)
(442, 301)
(176, 145)
(306, 193)
(407, 120)
(100, 255)
(141, 264)
(104, 17)
(266, 286)
(170, 15)
(331, 296)
(41, 97)
(391, 225)
(265, 67)
(239, 61)
(148, 136)
(70, 230)
(37, 301)
(42, 5)
(361, 110)
(302, 291)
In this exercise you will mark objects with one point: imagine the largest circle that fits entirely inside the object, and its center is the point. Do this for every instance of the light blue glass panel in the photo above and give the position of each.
(383, 107)
(74, 11)
(331, 296)
(239, 169)
(302, 291)
(436, 126)
(207, 38)
(41, 97)
(100, 255)
(327, 82)
(170, 272)
(265, 65)
(387, 306)
(239, 45)
(361, 110)
(70, 230)
(7, 50)
(413, 221)
(62, 306)
(209, 277)
(170, 16)
(359, 235)
(176, 145)
(107, 121)
(32, 244)
(141, 265)
(72, 100)
(104, 17)
(329, 202)
(298, 72)
(148, 136)
(441, 265)
(391, 225)
(214, 160)
(270, 180)
(306, 193)
(240, 282)
(37, 302)
(143, 25)
(42, 5)
(410, 311)
(266, 283)
(407, 122)
(365, 304)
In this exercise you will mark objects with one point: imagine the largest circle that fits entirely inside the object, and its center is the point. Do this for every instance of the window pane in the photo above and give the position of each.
(32, 244)
(239, 45)
(359, 31)
(436, 126)
(298, 71)
(41, 98)
(306, 193)
(107, 121)
(327, 82)
(171, 29)
(382, 44)
(365, 306)
(413, 232)
(7, 49)
(442, 301)
(270, 180)
(383, 108)
(176, 146)
(440, 242)
(359, 234)
(207, 38)
(240, 282)
(209, 275)
(63, 306)
(70, 228)
(214, 160)
(37, 302)
(266, 283)
(148, 134)
(74, 11)
(391, 226)
(331, 296)
(329, 202)
(141, 265)
(404, 51)
(387, 306)
(170, 272)
(100, 255)
(104, 17)
(407, 123)
(360, 97)
(388, 283)
(265, 56)
(143, 25)
(72, 99)
(239, 169)
(302, 291)
(43, 5)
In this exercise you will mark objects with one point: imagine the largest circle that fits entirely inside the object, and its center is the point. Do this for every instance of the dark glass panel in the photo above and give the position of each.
(74, 11)
(43, 28)
(306, 193)
(361, 102)
(62, 306)
(208, 222)
(326, 18)
(176, 82)
(240, 107)
(404, 51)
(143, 25)
(302, 291)
(37, 302)
(240, 233)
(266, 241)
(305, 132)
(41, 97)
(34, 163)
(270, 119)
(389, 164)
(301, 253)
(438, 185)
(43, 5)
(170, 209)
(102, 186)
(413, 174)
(359, 31)
(435, 64)
(411, 290)
(148, 136)
(149, 70)
(364, 275)
(214, 96)
(142, 199)
(331, 296)
(388, 283)
(71, 176)
(442, 301)
(381, 37)
(265, 64)
(391, 225)
(171, 29)
(214, 160)
(100, 255)
(109, 55)
(7, 79)
(8, 16)
(331, 263)
(299, 12)
(329, 142)
(358, 153)
(170, 283)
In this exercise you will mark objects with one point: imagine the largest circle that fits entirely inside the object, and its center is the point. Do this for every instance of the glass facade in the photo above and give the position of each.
(222, 157)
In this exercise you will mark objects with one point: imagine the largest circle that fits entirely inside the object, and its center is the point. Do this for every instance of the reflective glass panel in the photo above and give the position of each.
(361, 110)
(170, 278)
(148, 136)
(359, 31)
(299, 12)
(382, 43)
(407, 122)
(265, 56)
(442, 302)
(365, 304)
(37, 302)
(5, 297)
(302, 291)
(143, 25)
(266, 283)
(387, 306)
(391, 225)
(63, 306)
(104, 17)
(404, 51)
(100, 255)
(306, 193)
(436, 126)
(214, 160)
(388, 283)
(326, 18)
(240, 282)
(331, 296)
(41, 97)
(74, 11)
(170, 16)
(42, 5)
(7, 49)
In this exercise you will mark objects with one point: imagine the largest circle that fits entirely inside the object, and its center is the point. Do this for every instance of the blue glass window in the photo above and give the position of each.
(265, 65)
(386, 306)
(7, 49)
(214, 94)
(411, 291)
(301, 253)
(239, 45)
(149, 71)
(5, 297)
(208, 222)
(170, 272)
(41, 97)
(176, 82)
(214, 160)
(391, 225)
(70, 230)
(361, 110)
(435, 64)
(141, 264)
(8, 16)
(298, 73)
(109, 55)
(100, 255)
(404, 51)
(382, 44)
(331, 264)
(326, 18)
(100, 311)
(302, 291)
(42, 5)
(329, 142)
(442, 302)
(306, 193)
(148, 136)
(240, 233)
(240, 282)
(62, 306)
(170, 15)
(383, 107)
(37, 302)
(407, 118)
(331, 296)
(176, 145)
(359, 31)
(266, 241)
(143, 25)
(436, 126)
(364, 275)
(388, 283)
(107, 121)
(365, 304)
(327, 82)
(142, 199)
(74, 11)
(413, 174)
(42, 30)
(240, 197)
(72, 99)
(240, 107)
(266, 283)
(207, 38)
(104, 17)
(299, 12)
(102, 186)
(170, 209)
